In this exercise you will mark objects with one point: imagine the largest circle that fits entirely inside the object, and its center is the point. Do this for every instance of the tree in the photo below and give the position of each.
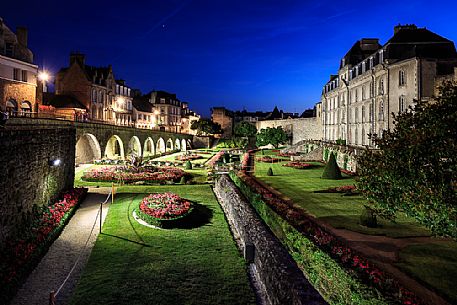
(415, 170)
(274, 136)
(331, 169)
(245, 129)
(206, 127)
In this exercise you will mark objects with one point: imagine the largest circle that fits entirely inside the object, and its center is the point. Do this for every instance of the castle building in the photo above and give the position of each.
(225, 118)
(18, 74)
(93, 87)
(374, 81)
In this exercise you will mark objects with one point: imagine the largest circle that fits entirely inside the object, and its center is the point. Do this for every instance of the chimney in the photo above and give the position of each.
(77, 58)
(21, 34)
(369, 44)
(400, 27)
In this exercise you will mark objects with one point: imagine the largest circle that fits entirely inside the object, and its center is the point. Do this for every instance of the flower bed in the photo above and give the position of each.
(298, 165)
(268, 159)
(164, 210)
(345, 189)
(20, 255)
(130, 174)
(188, 157)
(340, 273)
(349, 173)
(212, 162)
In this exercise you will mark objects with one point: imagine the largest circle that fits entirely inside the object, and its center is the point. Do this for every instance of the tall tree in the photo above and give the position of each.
(274, 136)
(206, 127)
(245, 129)
(415, 169)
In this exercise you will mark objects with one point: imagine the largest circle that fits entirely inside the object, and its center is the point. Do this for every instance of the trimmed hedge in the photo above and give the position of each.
(163, 223)
(336, 284)
(331, 169)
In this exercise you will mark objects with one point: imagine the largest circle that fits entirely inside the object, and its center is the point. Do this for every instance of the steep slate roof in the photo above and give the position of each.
(141, 103)
(361, 50)
(62, 101)
(410, 41)
(97, 75)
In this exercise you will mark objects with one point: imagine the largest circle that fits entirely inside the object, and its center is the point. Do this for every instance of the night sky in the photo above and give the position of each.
(241, 54)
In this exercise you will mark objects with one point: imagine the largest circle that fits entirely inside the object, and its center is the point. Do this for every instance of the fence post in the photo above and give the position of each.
(112, 192)
(101, 211)
(52, 298)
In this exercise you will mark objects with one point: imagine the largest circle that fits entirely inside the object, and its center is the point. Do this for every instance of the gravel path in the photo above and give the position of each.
(57, 263)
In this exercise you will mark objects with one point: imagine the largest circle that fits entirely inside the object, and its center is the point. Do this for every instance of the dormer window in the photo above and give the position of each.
(363, 67)
(371, 62)
(381, 56)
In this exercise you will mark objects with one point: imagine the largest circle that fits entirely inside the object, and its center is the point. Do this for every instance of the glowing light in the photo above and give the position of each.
(43, 76)
(55, 162)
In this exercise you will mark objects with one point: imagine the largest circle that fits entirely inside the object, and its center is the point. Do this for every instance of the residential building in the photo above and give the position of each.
(122, 106)
(93, 87)
(187, 117)
(18, 74)
(144, 114)
(376, 80)
(168, 109)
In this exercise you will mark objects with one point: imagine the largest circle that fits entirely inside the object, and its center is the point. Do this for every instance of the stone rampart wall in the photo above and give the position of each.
(300, 129)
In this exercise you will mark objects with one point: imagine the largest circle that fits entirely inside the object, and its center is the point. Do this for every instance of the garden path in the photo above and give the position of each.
(63, 253)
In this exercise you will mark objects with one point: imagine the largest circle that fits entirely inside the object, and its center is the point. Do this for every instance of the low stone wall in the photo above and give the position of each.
(277, 272)
(26, 177)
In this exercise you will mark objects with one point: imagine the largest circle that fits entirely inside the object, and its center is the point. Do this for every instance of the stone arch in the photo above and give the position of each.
(114, 148)
(148, 148)
(160, 148)
(134, 147)
(87, 149)
(26, 106)
(177, 144)
(183, 145)
(169, 146)
(189, 144)
(11, 106)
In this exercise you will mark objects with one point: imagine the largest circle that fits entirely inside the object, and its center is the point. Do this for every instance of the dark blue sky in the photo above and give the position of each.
(251, 54)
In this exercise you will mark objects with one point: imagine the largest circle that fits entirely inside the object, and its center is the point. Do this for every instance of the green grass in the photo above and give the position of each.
(133, 264)
(433, 263)
(339, 211)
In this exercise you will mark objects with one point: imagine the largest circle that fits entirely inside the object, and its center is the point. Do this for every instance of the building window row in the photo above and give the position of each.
(20, 75)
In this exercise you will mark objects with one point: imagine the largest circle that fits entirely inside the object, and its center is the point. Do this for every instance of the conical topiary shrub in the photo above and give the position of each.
(270, 172)
(331, 169)
(188, 165)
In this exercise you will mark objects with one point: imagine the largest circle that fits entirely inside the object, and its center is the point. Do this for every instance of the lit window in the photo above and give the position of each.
(401, 78)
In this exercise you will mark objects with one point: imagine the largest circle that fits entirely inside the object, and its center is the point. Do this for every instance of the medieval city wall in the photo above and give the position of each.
(300, 129)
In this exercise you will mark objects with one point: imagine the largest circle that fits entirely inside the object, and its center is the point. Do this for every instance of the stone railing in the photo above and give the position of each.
(272, 266)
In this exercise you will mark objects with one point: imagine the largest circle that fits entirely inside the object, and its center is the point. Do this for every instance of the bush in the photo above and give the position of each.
(331, 170)
(270, 172)
(188, 165)
(368, 218)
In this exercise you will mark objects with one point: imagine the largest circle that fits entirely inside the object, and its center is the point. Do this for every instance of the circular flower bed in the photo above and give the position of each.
(188, 157)
(298, 165)
(164, 210)
(268, 159)
(130, 174)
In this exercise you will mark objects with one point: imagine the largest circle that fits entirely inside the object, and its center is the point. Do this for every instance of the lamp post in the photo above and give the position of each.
(43, 76)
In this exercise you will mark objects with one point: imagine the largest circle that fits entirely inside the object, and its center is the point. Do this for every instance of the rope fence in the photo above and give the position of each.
(53, 294)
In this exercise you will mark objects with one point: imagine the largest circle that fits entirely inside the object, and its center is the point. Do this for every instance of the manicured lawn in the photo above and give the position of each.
(435, 264)
(134, 264)
(338, 210)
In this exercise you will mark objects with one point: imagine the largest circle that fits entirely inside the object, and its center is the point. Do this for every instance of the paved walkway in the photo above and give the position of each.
(57, 263)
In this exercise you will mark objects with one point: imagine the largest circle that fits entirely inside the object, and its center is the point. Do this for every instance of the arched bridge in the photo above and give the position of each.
(96, 141)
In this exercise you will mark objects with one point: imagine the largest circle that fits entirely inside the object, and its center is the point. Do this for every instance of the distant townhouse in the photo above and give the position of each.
(123, 108)
(144, 114)
(187, 117)
(18, 74)
(168, 109)
(93, 87)
(374, 81)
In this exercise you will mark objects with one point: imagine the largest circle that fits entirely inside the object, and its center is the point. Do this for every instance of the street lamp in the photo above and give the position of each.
(43, 76)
